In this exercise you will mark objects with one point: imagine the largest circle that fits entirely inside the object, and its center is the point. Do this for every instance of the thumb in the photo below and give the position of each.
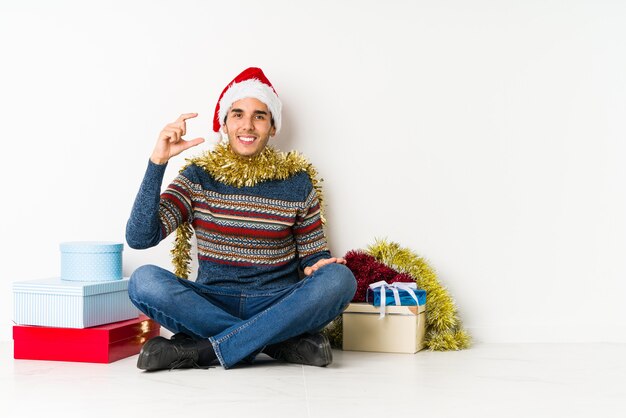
(196, 141)
(193, 142)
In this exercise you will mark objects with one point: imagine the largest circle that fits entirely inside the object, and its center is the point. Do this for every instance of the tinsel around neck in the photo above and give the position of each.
(227, 167)
(235, 170)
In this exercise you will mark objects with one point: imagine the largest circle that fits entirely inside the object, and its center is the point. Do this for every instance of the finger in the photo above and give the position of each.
(175, 134)
(307, 271)
(165, 135)
(186, 116)
(182, 126)
(170, 135)
(179, 133)
(319, 264)
(328, 261)
(192, 143)
(176, 126)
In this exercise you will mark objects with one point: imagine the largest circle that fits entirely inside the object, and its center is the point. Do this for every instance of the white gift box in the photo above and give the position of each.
(71, 304)
(401, 330)
(91, 261)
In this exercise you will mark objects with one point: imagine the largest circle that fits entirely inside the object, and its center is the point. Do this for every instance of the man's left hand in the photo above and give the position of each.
(309, 270)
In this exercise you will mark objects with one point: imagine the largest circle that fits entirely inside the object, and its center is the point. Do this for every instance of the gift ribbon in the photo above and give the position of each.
(394, 287)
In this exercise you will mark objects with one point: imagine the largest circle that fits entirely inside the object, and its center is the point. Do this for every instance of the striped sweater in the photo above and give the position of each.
(253, 237)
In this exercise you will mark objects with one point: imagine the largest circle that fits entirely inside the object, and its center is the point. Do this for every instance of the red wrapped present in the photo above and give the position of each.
(100, 344)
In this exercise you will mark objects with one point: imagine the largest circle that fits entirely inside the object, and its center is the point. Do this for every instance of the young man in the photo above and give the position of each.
(266, 280)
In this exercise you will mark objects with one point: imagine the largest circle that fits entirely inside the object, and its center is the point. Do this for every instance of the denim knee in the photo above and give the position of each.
(346, 282)
(145, 283)
(336, 280)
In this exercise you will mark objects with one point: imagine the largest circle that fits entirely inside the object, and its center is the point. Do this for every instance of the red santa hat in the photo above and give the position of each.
(250, 83)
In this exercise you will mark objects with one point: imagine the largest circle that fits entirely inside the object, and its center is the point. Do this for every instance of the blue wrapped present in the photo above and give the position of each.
(71, 304)
(91, 261)
(395, 294)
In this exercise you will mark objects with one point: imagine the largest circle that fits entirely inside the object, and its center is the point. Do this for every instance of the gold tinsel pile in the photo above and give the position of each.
(443, 326)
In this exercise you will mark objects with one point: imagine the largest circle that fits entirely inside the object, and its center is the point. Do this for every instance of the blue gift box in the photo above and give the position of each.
(373, 297)
(71, 304)
(91, 261)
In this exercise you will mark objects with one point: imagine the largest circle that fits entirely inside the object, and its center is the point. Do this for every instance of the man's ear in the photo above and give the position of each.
(225, 129)
(273, 131)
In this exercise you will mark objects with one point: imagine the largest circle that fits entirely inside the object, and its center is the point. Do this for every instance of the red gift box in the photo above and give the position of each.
(101, 344)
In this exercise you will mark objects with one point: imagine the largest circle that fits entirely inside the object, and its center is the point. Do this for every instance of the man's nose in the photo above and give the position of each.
(248, 124)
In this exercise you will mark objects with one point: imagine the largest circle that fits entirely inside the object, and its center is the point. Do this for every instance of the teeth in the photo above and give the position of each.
(246, 139)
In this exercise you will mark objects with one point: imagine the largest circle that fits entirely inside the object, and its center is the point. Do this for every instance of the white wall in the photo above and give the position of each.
(487, 136)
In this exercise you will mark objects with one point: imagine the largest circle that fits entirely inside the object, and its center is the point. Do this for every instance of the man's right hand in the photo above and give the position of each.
(321, 263)
(171, 143)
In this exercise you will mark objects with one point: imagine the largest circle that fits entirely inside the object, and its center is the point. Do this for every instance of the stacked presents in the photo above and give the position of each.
(85, 315)
(391, 320)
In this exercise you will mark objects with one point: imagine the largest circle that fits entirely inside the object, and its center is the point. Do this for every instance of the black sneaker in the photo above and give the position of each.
(310, 349)
(178, 353)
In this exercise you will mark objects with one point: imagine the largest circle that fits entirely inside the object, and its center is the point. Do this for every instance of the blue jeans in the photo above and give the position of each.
(240, 323)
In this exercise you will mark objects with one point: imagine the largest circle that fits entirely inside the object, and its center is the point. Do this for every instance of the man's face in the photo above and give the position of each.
(249, 126)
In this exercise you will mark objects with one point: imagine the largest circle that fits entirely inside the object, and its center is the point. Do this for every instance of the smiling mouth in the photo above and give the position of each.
(247, 139)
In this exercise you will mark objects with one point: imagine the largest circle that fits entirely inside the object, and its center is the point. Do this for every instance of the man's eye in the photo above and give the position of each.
(260, 117)
(236, 115)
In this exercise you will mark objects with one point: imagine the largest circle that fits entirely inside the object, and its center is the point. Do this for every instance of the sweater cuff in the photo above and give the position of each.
(156, 166)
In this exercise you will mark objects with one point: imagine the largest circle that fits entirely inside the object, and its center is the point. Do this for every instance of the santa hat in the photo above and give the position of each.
(250, 83)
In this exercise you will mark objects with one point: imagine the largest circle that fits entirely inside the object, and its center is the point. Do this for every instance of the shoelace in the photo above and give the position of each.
(188, 363)
(187, 358)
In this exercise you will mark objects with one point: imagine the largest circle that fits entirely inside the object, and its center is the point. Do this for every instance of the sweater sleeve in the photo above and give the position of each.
(309, 233)
(154, 216)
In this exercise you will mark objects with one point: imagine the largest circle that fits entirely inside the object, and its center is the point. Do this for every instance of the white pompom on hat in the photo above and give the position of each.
(250, 83)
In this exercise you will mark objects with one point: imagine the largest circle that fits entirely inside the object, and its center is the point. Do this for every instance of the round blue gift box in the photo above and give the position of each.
(91, 261)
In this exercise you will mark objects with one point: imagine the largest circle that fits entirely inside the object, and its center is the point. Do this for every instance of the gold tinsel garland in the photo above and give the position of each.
(443, 327)
(227, 167)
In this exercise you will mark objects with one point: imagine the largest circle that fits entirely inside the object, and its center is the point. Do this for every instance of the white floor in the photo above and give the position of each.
(489, 380)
